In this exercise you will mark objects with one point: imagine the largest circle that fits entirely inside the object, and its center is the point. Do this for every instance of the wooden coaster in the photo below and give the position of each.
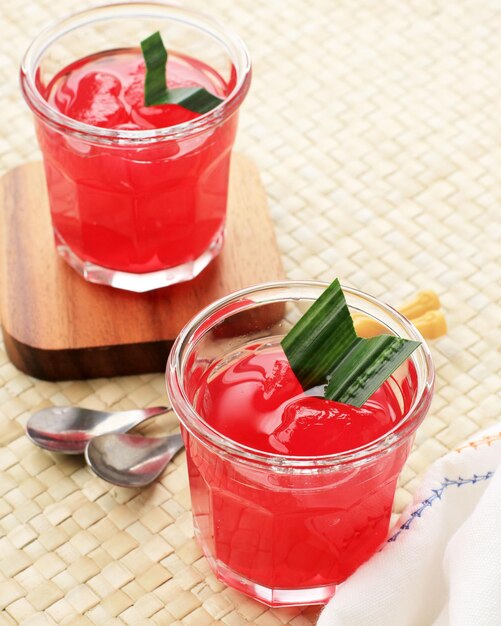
(57, 326)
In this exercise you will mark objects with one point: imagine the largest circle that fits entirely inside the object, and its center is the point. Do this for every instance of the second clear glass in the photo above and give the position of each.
(287, 529)
(137, 209)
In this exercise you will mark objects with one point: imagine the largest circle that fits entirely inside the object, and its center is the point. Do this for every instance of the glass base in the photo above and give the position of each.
(139, 282)
(271, 596)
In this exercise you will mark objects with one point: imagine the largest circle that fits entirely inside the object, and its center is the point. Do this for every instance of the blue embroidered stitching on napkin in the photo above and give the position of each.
(437, 495)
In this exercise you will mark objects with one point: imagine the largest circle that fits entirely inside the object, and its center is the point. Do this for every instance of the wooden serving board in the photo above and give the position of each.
(57, 326)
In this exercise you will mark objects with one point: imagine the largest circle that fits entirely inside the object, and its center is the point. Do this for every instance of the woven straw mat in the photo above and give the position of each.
(376, 128)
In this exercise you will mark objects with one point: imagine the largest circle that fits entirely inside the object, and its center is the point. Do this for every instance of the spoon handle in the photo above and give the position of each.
(155, 410)
(175, 443)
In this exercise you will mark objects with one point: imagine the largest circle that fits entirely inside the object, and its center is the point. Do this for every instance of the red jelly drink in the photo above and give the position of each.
(127, 209)
(138, 194)
(316, 536)
(290, 492)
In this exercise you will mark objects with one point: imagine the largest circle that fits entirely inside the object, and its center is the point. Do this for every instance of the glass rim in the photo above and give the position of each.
(225, 36)
(197, 426)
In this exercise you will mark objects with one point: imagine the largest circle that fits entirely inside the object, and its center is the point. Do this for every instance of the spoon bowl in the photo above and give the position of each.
(131, 460)
(69, 429)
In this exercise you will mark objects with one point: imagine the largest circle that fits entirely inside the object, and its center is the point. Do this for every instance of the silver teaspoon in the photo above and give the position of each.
(69, 429)
(131, 460)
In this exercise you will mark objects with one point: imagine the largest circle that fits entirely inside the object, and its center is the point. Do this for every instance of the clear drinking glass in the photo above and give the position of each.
(137, 209)
(286, 530)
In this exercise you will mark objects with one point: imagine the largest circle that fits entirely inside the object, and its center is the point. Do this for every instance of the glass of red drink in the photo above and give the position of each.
(137, 194)
(290, 492)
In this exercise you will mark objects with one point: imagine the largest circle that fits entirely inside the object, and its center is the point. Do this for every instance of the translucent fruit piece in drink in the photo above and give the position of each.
(280, 384)
(97, 101)
(315, 426)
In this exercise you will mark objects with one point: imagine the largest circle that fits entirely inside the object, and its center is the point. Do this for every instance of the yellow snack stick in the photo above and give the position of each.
(422, 311)
(367, 326)
(423, 302)
(431, 325)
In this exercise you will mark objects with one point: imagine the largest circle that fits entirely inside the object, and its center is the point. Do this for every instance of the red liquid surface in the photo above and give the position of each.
(286, 530)
(259, 402)
(130, 207)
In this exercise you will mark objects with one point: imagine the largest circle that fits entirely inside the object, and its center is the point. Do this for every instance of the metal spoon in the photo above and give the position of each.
(131, 460)
(69, 429)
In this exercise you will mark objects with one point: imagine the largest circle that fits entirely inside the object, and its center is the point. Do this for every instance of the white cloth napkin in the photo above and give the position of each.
(442, 563)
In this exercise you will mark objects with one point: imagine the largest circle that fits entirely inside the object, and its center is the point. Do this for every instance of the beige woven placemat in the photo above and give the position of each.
(377, 130)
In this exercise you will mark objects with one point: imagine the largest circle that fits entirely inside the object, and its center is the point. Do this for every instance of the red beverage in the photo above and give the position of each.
(128, 209)
(290, 492)
(290, 536)
(138, 194)
(258, 402)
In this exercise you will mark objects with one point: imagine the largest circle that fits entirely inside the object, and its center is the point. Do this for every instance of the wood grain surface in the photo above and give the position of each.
(57, 326)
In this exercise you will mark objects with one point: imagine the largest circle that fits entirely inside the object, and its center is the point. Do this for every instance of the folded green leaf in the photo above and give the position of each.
(156, 92)
(365, 368)
(323, 348)
(192, 98)
(315, 342)
(155, 59)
